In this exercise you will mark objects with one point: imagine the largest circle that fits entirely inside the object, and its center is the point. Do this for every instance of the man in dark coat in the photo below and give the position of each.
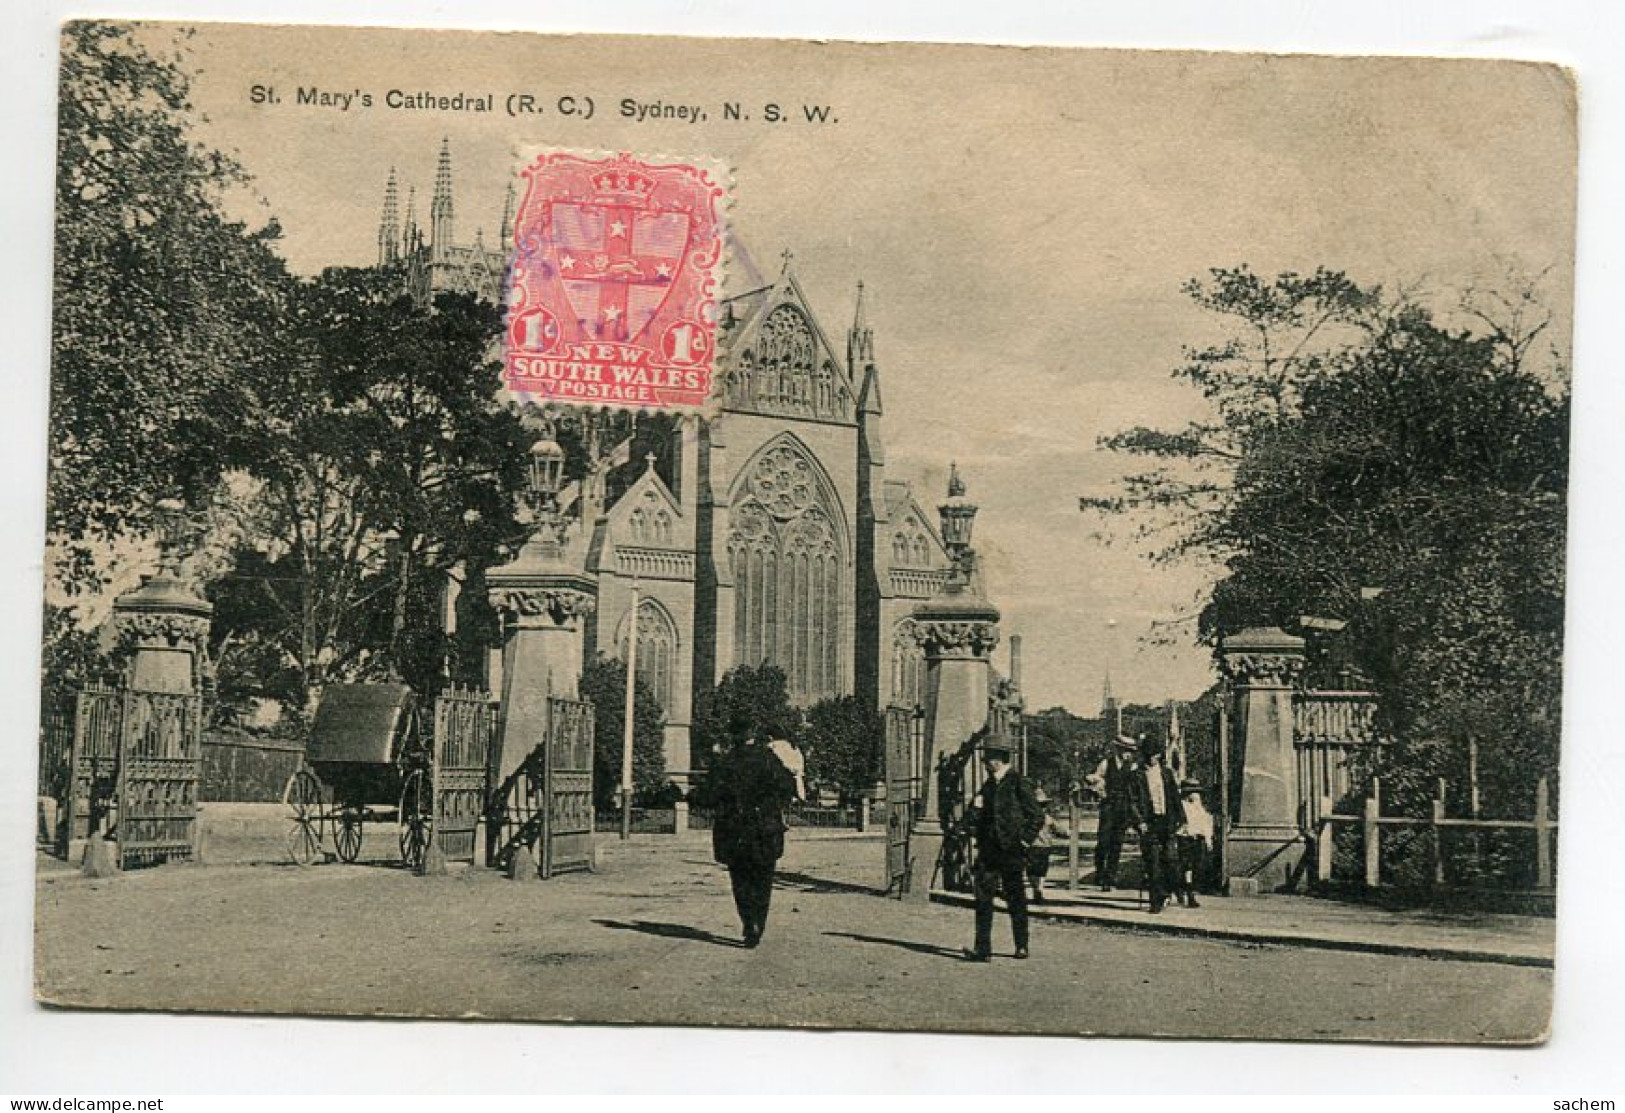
(1007, 820)
(750, 789)
(1156, 813)
(1112, 781)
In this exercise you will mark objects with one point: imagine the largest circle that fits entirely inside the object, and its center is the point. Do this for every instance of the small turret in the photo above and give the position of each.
(389, 225)
(860, 342)
(507, 219)
(440, 208)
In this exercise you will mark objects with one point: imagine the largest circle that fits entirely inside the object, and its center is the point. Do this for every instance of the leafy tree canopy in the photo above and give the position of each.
(162, 304)
(603, 684)
(748, 698)
(844, 742)
(1368, 463)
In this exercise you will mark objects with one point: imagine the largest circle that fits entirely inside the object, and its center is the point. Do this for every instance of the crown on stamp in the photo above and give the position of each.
(626, 184)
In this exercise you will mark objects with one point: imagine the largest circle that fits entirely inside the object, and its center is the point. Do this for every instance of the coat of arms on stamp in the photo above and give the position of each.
(612, 291)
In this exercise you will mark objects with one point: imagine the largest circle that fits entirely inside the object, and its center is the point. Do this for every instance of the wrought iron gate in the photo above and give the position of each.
(125, 764)
(87, 781)
(160, 764)
(464, 732)
(567, 834)
(901, 787)
(545, 806)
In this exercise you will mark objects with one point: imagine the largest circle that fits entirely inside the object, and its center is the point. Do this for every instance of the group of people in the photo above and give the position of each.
(1139, 794)
(751, 784)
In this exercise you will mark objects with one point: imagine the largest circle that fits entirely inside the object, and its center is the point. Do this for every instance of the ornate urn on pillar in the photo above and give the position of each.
(1262, 666)
(162, 621)
(542, 598)
(958, 629)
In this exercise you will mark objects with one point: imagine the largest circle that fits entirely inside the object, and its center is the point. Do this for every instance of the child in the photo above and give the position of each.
(1193, 840)
(1038, 853)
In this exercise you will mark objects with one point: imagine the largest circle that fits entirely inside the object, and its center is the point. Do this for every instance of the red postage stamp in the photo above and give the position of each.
(612, 291)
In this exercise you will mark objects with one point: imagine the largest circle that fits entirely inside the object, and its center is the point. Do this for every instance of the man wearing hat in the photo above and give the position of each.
(1008, 819)
(1112, 781)
(1156, 813)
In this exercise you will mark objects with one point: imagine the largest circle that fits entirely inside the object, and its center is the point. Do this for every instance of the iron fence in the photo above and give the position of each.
(645, 821)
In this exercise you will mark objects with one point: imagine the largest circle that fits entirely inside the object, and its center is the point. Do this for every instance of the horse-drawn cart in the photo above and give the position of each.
(368, 761)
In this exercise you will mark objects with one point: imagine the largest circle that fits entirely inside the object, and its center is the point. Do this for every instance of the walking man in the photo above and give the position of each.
(750, 789)
(1007, 821)
(1112, 782)
(1156, 813)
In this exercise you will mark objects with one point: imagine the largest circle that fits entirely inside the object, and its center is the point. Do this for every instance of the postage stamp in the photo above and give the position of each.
(612, 288)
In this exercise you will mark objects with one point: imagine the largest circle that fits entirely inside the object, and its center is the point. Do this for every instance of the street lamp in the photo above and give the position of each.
(546, 476)
(958, 518)
(546, 467)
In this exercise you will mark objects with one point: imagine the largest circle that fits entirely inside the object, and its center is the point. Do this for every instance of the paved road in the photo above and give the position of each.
(651, 938)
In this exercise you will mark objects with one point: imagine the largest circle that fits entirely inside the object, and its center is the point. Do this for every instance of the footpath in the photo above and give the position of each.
(1460, 935)
(1292, 920)
(254, 834)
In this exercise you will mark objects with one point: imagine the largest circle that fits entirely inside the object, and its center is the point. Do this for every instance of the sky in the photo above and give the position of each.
(1022, 220)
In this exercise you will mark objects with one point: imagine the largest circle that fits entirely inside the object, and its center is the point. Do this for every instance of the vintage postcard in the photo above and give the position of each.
(810, 535)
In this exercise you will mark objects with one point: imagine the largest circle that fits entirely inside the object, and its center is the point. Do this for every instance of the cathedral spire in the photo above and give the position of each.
(409, 231)
(860, 357)
(388, 225)
(440, 209)
(507, 219)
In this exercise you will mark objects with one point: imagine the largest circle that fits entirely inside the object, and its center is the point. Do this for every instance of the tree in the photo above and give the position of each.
(161, 305)
(1061, 748)
(374, 464)
(603, 684)
(747, 698)
(843, 742)
(1367, 463)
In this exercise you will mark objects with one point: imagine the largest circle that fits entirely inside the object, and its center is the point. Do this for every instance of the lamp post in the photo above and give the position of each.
(544, 597)
(631, 713)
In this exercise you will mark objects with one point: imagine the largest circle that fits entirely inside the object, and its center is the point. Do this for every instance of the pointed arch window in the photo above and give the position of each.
(787, 370)
(787, 557)
(657, 649)
(907, 665)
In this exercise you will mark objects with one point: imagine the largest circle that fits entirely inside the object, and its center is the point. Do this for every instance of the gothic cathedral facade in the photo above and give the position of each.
(780, 538)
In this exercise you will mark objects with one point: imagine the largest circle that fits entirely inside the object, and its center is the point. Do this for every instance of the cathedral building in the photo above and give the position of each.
(777, 535)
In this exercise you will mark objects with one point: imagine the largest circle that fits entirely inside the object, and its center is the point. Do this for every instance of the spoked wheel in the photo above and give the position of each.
(348, 834)
(417, 818)
(303, 796)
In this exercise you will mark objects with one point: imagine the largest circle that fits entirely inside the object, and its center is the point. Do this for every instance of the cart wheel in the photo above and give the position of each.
(417, 818)
(348, 834)
(303, 795)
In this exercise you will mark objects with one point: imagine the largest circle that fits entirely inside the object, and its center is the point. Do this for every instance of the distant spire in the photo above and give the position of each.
(409, 231)
(507, 219)
(389, 224)
(1108, 702)
(440, 209)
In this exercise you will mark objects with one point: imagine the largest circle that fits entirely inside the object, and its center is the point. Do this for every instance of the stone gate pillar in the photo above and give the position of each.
(1261, 666)
(542, 596)
(542, 613)
(167, 629)
(958, 629)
